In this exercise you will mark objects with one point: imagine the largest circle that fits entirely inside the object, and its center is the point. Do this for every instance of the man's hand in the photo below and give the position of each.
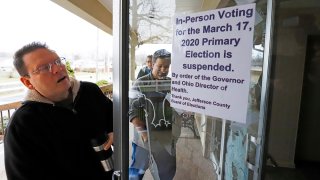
(109, 141)
(141, 128)
(144, 136)
(137, 122)
(143, 133)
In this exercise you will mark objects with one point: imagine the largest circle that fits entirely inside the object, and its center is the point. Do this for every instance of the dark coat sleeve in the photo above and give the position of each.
(141, 73)
(95, 108)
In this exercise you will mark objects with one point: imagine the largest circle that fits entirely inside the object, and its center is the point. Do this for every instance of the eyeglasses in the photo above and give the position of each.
(48, 67)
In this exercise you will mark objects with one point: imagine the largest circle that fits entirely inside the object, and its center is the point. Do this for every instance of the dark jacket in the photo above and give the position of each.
(44, 141)
(150, 102)
(143, 71)
(153, 96)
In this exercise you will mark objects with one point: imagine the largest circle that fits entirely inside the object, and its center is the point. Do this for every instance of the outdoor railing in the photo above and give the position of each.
(107, 90)
(6, 110)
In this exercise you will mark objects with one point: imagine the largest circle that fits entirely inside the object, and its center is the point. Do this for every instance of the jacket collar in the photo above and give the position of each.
(33, 95)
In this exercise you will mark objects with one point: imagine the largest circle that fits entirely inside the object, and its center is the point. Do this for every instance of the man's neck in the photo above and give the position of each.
(68, 102)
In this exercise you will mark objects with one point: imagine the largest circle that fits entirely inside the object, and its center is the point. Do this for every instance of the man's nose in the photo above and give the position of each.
(164, 69)
(56, 68)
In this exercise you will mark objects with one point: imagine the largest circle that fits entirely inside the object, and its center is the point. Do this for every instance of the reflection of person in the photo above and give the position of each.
(50, 135)
(146, 69)
(150, 113)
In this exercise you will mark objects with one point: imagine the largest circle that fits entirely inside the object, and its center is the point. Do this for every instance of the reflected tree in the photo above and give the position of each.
(150, 23)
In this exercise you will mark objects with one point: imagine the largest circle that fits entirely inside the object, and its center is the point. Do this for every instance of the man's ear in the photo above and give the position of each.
(26, 82)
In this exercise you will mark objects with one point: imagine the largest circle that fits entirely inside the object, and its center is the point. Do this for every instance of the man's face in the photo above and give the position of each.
(54, 84)
(149, 63)
(160, 68)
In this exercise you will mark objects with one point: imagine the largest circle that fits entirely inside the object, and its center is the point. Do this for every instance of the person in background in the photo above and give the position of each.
(50, 136)
(156, 129)
(146, 69)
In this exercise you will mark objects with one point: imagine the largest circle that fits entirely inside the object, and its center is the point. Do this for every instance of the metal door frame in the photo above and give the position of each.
(121, 87)
(267, 60)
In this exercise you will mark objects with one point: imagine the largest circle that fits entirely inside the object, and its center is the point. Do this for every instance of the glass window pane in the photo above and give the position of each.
(184, 145)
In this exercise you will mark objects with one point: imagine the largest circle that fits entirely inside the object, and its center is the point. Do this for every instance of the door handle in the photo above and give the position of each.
(116, 175)
(251, 140)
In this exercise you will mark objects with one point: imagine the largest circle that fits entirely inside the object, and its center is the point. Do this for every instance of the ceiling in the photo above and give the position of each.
(96, 12)
(99, 12)
(107, 4)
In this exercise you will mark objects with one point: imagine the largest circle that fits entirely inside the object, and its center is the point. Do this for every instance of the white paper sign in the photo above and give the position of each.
(211, 62)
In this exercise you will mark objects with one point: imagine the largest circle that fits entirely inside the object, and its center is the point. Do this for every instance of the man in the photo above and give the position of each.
(156, 128)
(50, 136)
(146, 69)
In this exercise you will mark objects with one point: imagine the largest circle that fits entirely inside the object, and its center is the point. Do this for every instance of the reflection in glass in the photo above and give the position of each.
(203, 147)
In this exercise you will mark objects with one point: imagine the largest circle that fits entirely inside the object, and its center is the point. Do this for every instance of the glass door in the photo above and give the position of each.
(157, 138)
